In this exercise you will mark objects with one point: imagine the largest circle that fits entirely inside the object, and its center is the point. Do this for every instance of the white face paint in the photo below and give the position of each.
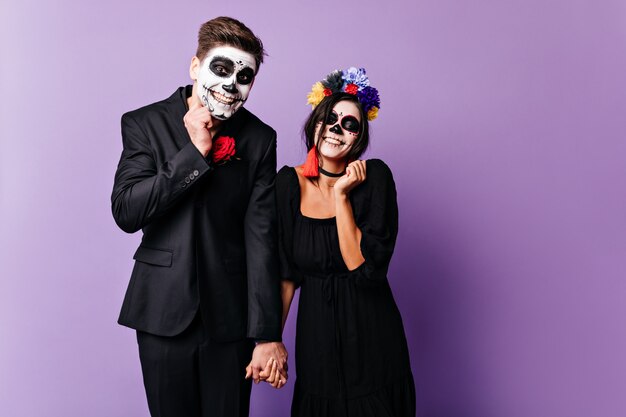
(225, 79)
(340, 132)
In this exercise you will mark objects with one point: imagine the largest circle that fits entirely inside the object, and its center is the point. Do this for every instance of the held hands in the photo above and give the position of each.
(198, 123)
(269, 364)
(355, 175)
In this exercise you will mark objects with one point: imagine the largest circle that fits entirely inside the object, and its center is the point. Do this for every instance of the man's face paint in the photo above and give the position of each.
(225, 79)
(340, 130)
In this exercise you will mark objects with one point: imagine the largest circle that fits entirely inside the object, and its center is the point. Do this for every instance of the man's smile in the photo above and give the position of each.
(221, 98)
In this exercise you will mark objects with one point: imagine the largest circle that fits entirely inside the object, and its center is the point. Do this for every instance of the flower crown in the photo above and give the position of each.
(352, 81)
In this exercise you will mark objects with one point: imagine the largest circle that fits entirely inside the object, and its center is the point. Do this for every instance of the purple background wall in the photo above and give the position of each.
(504, 123)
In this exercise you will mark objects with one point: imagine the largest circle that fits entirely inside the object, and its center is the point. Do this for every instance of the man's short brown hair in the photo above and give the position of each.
(226, 31)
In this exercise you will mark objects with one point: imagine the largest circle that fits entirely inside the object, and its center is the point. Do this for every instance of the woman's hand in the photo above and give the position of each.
(273, 376)
(265, 357)
(269, 374)
(355, 175)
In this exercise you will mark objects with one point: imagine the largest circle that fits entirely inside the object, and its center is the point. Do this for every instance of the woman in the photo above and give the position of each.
(338, 223)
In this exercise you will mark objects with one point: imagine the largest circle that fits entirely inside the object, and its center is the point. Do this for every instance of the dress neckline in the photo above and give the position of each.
(329, 220)
(299, 200)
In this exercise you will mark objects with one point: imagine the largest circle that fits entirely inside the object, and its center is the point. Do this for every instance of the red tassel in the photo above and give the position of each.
(310, 169)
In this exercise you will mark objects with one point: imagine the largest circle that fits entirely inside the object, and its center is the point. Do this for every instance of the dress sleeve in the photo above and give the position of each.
(286, 181)
(376, 215)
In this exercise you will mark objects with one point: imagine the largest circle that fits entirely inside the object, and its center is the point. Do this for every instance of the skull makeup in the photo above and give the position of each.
(225, 79)
(339, 131)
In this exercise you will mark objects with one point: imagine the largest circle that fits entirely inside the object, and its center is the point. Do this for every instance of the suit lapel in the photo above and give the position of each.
(178, 109)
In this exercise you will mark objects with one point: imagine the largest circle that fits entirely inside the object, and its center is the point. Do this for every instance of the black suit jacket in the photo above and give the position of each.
(164, 186)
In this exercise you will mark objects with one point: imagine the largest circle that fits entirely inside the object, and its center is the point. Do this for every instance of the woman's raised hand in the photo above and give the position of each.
(355, 175)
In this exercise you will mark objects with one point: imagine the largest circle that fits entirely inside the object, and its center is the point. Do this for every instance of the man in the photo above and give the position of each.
(197, 175)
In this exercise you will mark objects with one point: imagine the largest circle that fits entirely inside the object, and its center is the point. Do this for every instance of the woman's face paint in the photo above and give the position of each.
(225, 79)
(340, 130)
(347, 122)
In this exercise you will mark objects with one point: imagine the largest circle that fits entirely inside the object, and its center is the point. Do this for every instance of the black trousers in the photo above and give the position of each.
(189, 375)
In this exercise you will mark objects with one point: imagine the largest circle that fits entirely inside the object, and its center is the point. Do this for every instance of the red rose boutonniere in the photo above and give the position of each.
(223, 149)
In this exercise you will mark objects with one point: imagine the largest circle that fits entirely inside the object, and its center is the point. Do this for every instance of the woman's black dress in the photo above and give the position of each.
(351, 352)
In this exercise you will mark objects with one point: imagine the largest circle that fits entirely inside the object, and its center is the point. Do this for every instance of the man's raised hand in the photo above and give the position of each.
(198, 123)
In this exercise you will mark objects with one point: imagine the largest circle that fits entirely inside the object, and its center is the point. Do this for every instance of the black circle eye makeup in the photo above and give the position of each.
(245, 76)
(224, 67)
(351, 124)
(348, 122)
(332, 118)
(221, 66)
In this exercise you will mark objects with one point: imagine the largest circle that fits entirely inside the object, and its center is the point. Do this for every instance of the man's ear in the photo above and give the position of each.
(194, 68)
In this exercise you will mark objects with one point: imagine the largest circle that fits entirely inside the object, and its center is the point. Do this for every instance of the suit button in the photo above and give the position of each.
(184, 185)
(191, 176)
(196, 172)
(187, 180)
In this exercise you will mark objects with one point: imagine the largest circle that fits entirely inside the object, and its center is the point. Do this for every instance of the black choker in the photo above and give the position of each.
(331, 174)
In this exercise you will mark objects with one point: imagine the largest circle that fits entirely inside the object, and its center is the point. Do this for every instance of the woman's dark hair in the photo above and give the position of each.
(320, 114)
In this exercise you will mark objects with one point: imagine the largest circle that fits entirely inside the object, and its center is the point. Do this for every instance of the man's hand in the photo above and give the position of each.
(269, 363)
(198, 123)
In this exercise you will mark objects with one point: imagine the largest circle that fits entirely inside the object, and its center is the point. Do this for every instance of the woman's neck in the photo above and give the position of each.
(333, 166)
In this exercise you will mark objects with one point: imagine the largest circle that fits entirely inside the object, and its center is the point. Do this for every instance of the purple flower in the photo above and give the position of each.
(369, 98)
(356, 76)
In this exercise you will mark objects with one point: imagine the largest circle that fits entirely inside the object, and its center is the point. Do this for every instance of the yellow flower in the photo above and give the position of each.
(316, 95)
(372, 114)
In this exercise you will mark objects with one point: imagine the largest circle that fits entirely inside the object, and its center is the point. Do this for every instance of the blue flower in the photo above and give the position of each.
(356, 76)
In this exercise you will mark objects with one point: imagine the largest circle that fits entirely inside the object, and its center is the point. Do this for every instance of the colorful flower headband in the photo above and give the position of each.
(352, 81)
